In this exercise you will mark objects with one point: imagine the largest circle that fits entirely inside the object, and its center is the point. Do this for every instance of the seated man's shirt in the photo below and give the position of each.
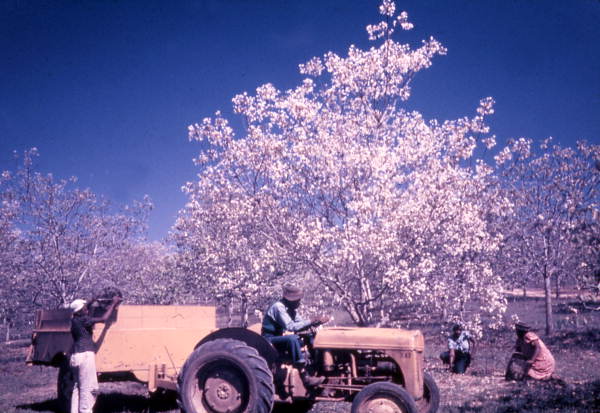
(280, 318)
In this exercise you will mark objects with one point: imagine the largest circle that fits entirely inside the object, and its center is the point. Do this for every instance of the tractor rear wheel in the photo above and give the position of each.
(431, 395)
(383, 397)
(225, 375)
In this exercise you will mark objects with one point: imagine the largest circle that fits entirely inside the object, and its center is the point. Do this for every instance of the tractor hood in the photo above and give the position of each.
(369, 339)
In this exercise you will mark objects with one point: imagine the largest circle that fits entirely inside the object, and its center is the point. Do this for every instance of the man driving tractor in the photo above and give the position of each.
(281, 317)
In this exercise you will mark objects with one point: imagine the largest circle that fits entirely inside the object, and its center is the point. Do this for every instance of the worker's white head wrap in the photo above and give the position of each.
(77, 305)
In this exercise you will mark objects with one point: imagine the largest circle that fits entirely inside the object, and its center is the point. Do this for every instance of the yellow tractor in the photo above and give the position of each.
(379, 370)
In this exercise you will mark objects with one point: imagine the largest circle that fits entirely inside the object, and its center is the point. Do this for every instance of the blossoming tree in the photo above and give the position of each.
(371, 206)
(70, 242)
(556, 196)
(10, 260)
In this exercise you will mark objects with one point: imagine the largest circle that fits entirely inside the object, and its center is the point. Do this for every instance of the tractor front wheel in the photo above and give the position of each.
(431, 395)
(384, 397)
(225, 376)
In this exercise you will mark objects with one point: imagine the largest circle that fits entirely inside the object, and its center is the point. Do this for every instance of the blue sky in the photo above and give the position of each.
(105, 89)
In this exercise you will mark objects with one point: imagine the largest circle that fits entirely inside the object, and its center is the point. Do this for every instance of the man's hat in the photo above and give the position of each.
(523, 327)
(292, 292)
(77, 305)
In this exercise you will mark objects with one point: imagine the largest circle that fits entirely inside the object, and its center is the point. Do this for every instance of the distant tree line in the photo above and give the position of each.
(59, 242)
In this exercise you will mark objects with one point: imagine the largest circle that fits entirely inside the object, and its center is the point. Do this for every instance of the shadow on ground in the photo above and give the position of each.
(586, 340)
(45, 406)
(114, 403)
(534, 397)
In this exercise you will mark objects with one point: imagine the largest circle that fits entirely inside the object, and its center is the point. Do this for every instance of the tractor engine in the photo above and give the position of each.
(352, 358)
(359, 363)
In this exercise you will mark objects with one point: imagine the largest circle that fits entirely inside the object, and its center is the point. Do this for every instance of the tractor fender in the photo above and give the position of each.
(252, 339)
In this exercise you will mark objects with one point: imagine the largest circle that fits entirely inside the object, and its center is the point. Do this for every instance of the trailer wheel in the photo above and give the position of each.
(64, 386)
(225, 375)
(383, 397)
(431, 395)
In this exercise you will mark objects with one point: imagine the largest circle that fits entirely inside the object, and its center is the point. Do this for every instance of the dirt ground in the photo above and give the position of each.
(576, 347)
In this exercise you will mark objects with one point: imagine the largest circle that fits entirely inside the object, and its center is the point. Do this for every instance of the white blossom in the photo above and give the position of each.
(369, 206)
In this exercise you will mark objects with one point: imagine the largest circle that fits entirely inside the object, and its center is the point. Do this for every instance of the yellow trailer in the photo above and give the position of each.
(148, 343)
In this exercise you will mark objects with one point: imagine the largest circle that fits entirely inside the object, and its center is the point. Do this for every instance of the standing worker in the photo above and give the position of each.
(83, 354)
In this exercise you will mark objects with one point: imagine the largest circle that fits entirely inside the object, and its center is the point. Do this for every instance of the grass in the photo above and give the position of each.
(576, 347)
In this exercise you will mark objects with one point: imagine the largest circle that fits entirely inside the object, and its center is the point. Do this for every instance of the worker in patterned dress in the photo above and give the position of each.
(531, 359)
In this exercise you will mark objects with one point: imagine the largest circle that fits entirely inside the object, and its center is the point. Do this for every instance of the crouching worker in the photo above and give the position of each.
(531, 359)
(83, 361)
(282, 316)
(460, 348)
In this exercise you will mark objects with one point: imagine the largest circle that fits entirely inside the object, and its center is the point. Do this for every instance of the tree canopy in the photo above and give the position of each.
(338, 185)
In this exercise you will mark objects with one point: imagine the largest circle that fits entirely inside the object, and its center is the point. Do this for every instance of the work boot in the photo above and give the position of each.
(311, 381)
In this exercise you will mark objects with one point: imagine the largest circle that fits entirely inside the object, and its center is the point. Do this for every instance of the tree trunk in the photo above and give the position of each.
(548, 294)
(7, 325)
(548, 290)
(230, 313)
(557, 286)
(351, 310)
(367, 297)
(244, 313)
